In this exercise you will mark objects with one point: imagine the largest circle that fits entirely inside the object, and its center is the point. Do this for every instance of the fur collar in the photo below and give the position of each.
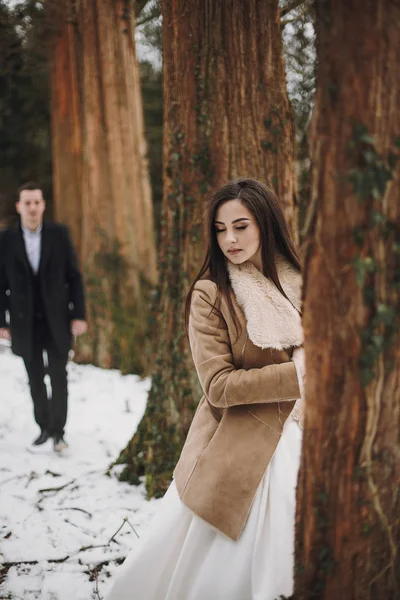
(272, 321)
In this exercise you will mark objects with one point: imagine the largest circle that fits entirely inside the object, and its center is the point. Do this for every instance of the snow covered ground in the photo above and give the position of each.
(60, 514)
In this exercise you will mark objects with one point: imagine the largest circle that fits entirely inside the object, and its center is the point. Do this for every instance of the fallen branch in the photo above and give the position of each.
(90, 547)
(86, 512)
(48, 472)
(17, 563)
(9, 564)
(56, 489)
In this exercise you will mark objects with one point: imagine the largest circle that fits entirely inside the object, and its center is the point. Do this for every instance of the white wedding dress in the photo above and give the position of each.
(181, 557)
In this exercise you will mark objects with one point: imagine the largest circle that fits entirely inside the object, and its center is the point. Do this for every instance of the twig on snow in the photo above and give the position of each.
(90, 547)
(48, 472)
(86, 512)
(56, 489)
(32, 476)
(96, 577)
(126, 520)
(118, 530)
(16, 563)
(132, 527)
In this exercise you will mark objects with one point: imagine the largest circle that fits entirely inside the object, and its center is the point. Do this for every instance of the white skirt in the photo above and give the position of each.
(181, 557)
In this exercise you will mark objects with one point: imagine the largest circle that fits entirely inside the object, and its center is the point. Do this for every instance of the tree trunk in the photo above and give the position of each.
(101, 176)
(66, 125)
(348, 510)
(222, 120)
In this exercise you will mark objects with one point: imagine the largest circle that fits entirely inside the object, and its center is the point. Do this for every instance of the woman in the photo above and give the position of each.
(225, 530)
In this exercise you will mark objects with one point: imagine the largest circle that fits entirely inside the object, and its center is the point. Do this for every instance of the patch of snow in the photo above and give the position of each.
(59, 513)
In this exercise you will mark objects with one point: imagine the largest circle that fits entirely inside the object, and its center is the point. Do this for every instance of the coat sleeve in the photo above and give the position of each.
(223, 384)
(74, 279)
(4, 304)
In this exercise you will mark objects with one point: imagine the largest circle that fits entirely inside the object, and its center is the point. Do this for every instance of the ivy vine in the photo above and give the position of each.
(369, 180)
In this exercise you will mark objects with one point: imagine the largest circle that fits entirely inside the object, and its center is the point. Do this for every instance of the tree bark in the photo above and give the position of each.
(222, 119)
(348, 509)
(66, 125)
(102, 184)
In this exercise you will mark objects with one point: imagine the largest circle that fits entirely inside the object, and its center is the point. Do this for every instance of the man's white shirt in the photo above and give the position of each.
(33, 242)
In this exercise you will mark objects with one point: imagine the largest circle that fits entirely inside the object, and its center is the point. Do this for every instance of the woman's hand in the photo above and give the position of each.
(299, 359)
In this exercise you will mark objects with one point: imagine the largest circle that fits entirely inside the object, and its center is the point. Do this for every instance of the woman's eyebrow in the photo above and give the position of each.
(241, 219)
(235, 221)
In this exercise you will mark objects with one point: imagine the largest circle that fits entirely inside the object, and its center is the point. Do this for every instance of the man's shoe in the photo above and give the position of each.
(59, 443)
(42, 439)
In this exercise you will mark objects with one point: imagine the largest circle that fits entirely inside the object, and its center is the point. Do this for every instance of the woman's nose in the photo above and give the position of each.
(231, 237)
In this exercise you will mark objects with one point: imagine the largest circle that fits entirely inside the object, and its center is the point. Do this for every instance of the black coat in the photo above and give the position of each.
(60, 285)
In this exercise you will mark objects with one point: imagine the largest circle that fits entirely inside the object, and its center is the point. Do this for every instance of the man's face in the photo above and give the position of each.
(31, 207)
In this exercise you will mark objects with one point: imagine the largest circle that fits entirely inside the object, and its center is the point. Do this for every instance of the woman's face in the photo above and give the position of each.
(238, 234)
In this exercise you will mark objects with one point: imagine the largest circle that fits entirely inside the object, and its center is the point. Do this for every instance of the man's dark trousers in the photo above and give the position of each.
(50, 414)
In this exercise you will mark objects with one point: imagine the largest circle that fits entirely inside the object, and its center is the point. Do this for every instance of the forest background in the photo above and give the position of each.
(129, 150)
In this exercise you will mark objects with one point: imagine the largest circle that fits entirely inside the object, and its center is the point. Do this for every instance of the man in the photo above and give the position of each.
(41, 290)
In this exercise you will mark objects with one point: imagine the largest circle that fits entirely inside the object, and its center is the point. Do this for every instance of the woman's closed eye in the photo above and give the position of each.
(237, 228)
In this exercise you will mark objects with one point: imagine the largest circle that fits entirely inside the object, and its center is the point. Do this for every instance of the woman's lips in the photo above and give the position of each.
(233, 251)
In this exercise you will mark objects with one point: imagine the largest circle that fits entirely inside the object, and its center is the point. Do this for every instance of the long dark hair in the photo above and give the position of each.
(263, 203)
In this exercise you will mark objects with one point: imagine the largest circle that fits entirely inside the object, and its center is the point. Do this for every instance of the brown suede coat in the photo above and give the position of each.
(248, 394)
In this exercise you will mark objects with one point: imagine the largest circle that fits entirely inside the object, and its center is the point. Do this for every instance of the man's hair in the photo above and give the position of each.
(30, 185)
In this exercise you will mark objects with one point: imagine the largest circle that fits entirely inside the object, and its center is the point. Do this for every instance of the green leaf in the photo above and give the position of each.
(370, 156)
(378, 341)
(368, 138)
(386, 314)
(378, 218)
(375, 193)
